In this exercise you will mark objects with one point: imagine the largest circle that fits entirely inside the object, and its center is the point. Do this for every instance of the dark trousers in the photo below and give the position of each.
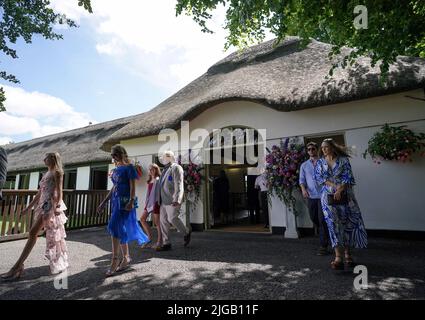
(264, 206)
(316, 216)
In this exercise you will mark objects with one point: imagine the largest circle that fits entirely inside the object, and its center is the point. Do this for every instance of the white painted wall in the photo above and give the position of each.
(327, 119)
(197, 215)
(17, 182)
(141, 184)
(111, 166)
(391, 196)
(34, 176)
(83, 178)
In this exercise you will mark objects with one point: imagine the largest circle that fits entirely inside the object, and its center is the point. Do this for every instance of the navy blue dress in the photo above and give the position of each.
(123, 224)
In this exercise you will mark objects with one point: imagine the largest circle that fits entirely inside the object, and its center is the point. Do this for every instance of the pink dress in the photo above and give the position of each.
(54, 220)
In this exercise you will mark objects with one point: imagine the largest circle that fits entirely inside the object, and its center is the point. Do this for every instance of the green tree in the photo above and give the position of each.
(22, 19)
(394, 27)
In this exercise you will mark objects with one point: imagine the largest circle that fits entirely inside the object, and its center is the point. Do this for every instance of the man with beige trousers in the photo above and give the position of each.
(170, 192)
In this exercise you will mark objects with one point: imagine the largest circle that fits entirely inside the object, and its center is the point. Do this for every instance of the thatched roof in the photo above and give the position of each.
(284, 77)
(76, 146)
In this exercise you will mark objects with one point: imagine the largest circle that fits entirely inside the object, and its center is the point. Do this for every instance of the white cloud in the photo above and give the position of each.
(5, 140)
(146, 38)
(70, 8)
(112, 48)
(37, 114)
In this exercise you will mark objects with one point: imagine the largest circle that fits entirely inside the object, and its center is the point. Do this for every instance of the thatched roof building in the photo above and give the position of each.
(75, 146)
(286, 77)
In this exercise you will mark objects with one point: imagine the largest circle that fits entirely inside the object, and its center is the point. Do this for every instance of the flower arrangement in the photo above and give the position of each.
(139, 169)
(282, 168)
(394, 143)
(192, 180)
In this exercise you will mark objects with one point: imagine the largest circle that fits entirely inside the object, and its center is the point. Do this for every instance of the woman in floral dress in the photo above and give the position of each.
(48, 214)
(344, 220)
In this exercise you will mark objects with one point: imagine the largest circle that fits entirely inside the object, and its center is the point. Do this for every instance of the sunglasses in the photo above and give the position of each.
(311, 149)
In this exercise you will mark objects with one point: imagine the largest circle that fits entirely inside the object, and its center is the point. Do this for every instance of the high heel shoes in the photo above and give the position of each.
(125, 264)
(113, 269)
(13, 274)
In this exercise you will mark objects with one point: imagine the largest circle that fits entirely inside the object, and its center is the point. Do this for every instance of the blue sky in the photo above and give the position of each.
(124, 59)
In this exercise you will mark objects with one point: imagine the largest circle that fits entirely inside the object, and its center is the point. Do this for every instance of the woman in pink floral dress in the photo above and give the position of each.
(48, 214)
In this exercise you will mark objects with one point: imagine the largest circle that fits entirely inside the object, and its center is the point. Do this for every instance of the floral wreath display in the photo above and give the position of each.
(395, 143)
(283, 164)
(192, 180)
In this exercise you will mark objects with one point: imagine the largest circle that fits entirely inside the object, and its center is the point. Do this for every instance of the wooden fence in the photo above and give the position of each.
(82, 206)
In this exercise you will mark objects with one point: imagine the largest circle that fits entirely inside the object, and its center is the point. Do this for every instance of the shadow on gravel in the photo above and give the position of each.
(233, 266)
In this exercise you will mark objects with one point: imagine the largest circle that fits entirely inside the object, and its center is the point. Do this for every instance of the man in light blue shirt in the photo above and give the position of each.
(311, 192)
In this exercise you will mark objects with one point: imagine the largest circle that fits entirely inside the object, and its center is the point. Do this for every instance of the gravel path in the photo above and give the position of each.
(218, 265)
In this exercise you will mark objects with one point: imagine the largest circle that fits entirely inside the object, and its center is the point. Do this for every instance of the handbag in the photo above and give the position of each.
(342, 201)
(125, 200)
(46, 206)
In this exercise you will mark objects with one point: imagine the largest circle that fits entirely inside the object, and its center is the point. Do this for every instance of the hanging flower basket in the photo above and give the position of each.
(283, 168)
(395, 144)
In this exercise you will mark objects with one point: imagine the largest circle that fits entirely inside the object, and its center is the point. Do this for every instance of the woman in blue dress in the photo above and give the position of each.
(123, 225)
(343, 218)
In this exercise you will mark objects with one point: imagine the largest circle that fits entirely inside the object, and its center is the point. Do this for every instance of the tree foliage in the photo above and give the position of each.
(395, 27)
(22, 19)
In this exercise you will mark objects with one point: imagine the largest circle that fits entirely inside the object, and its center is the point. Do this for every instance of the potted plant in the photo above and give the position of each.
(394, 143)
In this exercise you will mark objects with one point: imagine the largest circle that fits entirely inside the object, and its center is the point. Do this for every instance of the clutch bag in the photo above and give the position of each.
(46, 206)
(342, 201)
(125, 200)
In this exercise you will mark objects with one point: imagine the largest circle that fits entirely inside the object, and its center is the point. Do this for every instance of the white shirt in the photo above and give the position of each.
(261, 182)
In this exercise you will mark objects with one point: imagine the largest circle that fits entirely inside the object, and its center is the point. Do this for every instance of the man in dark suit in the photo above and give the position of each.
(3, 169)
(221, 196)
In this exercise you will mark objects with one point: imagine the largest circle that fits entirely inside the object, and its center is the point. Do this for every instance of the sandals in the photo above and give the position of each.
(147, 245)
(13, 274)
(111, 270)
(348, 262)
(337, 264)
(125, 264)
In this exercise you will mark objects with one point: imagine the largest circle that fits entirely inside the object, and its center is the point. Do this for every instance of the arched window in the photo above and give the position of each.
(234, 145)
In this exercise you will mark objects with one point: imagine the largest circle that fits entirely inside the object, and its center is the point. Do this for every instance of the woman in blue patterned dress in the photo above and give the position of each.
(344, 220)
(123, 225)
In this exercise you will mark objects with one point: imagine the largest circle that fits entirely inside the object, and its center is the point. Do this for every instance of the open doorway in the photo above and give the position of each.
(233, 202)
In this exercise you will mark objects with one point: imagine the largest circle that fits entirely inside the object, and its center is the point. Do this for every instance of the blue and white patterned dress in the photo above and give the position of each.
(345, 223)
